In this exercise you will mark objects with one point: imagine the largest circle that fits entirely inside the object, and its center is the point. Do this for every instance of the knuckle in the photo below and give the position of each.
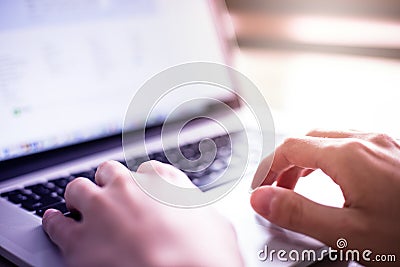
(120, 183)
(353, 145)
(381, 139)
(153, 166)
(79, 183)
(113, 171)
(120, 180)
(108, 166)
(290, 141)
(332, 149)
(352, 149)
(76, 184)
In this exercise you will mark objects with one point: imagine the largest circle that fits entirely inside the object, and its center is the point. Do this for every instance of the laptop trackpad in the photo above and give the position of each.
(23, 233)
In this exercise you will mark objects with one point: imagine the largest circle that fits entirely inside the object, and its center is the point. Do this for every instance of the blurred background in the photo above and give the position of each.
(329, 64)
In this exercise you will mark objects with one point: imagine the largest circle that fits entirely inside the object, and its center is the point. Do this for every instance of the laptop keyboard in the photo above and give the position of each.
(37, 198)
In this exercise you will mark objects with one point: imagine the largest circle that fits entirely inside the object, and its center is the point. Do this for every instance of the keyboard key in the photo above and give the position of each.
(58, 206)
(31, 204)
(74, 215)
(134, 163)
(198, 175)
(189, 152)
(140, 160)
(39, 189)
(4, 194)
(60, 182)
(218, 165)
(224, 152)
(222, 141)
(49, 200)
(59, 191)
(14, 192)
(17, 198)
(49, 185)
(159, 156)
(173, 155)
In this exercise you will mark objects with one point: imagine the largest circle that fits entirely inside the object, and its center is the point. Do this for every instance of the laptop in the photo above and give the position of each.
(68, 73)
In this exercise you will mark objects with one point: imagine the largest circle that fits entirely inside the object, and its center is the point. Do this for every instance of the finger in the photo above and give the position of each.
(78, 193)
(112, 171)
(167, 172)
(335, 134)
(306, 172)
(59, 228)
(289, 178)
(307, 153)
(292, 211)
(263, 175)
(376, 138)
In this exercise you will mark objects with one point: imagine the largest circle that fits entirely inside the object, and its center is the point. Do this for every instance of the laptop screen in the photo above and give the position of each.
(68, 69)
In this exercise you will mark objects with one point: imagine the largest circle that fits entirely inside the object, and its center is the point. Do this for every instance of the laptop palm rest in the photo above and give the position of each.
(25, 238)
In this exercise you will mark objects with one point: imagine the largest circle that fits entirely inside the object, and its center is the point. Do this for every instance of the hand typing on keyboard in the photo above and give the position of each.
(121, 226)
(366, 166)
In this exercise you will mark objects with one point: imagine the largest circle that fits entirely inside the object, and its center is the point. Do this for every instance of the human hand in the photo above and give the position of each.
(367, 169)
(122, 226)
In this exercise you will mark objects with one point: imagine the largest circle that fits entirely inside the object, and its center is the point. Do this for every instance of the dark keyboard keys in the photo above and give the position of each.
(17, 198)
(49, 200)
(58, 206)
(222, 141)
(74, 215)
(31, 204)
(190, 152)
(39, 189)
(60, 182)
(134, 163)
(42, 196)
(13, 192)
(159, 156)
(59, 191)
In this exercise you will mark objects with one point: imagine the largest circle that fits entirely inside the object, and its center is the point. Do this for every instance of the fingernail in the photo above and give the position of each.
(48, 212)
(46, 215)
(258, 180)
(262, 199)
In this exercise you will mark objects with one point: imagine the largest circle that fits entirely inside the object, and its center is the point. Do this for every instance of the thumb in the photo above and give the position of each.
(59, 228)
(292, 211)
